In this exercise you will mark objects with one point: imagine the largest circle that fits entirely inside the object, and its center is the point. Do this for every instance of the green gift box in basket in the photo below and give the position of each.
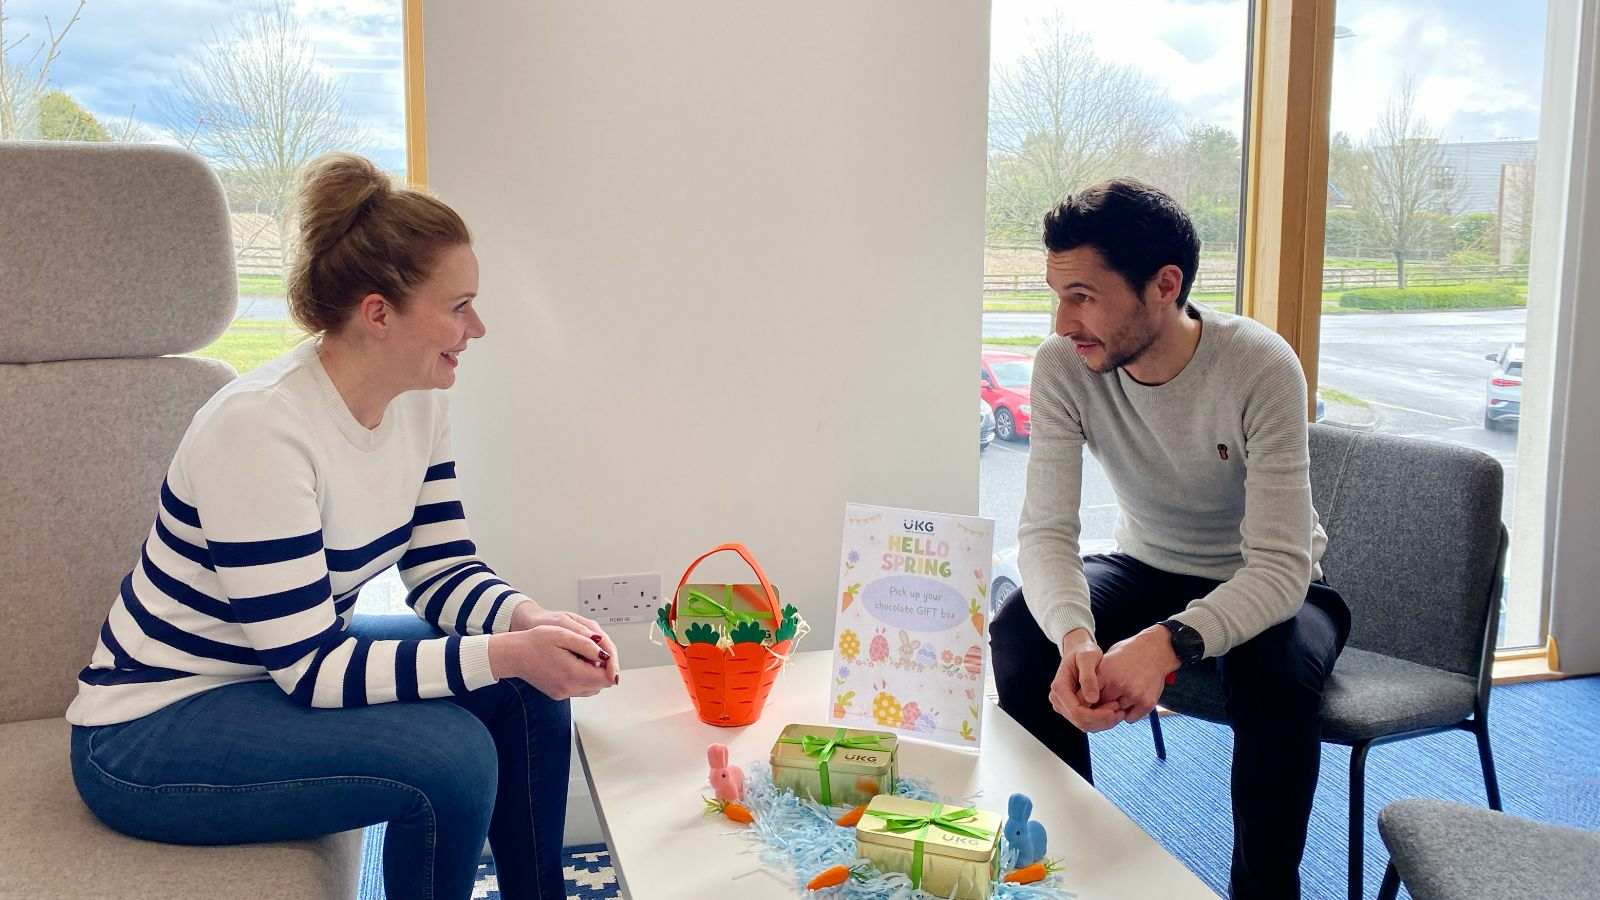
(724, 609)
(728, 648)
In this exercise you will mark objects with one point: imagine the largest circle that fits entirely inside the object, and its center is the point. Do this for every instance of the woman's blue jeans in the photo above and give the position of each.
(244, 763)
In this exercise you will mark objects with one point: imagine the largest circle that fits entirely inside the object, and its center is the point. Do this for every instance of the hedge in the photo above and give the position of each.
(1443, 296)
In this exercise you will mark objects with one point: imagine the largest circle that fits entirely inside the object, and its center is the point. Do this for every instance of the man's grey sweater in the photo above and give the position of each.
(1210, 471)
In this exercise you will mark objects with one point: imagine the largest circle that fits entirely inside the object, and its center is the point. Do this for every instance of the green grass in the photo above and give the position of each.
(248, 344)
(1333, 395)
(260, 286)
(1031, 340)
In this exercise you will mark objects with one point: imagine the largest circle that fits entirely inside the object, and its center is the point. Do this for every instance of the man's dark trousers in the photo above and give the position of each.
(1273, 687)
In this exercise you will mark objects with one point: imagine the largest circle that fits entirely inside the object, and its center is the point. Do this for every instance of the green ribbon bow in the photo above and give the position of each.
(701, 605)
(822, 749)
(949, 821)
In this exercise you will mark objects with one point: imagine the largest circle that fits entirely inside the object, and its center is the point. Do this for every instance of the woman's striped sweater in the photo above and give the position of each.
(277, 508)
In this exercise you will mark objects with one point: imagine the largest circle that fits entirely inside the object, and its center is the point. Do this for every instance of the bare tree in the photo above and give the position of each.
(1405, 182)
(258, 106)
(1061, 118)
(22, 84)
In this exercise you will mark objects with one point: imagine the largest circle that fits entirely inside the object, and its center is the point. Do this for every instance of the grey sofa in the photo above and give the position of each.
(111, 257)
(1416, 546)
(1446, 851)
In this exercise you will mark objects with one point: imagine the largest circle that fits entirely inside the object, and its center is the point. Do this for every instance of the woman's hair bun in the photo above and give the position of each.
(336, 190)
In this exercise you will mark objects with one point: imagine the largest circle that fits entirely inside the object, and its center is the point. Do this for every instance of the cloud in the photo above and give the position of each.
(1477, 64)
(1477, 67)
(125, 56)
(1194, 49)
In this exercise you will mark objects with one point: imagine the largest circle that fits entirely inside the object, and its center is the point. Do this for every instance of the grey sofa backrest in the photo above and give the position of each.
(111, 257)
(1413, 542)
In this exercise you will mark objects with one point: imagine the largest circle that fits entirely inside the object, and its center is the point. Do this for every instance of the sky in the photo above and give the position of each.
(125, 55)
(1477, 64)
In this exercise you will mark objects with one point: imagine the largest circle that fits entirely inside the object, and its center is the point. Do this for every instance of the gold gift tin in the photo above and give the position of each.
(960, 860)
(854, 774)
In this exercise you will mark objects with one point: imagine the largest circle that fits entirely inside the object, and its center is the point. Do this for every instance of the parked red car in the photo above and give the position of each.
(1006, 379)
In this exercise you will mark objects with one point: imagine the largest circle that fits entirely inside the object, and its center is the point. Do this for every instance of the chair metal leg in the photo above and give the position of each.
(1390, 888)
(1491, 782)
(1155, 732)
(1358, 818)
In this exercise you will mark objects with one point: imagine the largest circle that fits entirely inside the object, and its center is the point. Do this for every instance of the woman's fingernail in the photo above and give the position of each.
(604, 656)
(616, 679)
(595, 638)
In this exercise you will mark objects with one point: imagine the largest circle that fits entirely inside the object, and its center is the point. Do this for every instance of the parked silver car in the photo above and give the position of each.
(1502, 408)
(985, 425)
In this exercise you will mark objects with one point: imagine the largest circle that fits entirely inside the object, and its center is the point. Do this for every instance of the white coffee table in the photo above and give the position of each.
(644, 754)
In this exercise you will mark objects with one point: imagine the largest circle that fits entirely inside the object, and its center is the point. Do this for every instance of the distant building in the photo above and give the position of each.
(1479, 167)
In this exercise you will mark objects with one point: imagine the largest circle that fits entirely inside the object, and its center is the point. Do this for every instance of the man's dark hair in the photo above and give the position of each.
(1136, 227)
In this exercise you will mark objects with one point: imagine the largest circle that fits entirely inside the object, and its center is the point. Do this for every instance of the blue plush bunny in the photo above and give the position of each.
(1025, 837)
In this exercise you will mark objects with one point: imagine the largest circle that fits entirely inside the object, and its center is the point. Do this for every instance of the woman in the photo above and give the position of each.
(231, 697)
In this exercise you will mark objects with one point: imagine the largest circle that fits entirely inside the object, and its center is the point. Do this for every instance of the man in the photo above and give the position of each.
(1199, 420)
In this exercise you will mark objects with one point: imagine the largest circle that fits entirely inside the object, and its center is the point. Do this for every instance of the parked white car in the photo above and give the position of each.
(1007, 577)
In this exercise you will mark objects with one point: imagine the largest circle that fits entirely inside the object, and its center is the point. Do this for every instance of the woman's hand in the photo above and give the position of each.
(560, 662)
(531, 615)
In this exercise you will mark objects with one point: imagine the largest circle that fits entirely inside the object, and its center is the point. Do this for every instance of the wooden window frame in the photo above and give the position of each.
(1291, 92)
(416, 95)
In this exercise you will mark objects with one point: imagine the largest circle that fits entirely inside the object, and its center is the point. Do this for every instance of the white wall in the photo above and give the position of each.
(1573, 518)
(731, 255)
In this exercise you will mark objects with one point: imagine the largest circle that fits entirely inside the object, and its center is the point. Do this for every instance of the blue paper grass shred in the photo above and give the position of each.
(799, 837)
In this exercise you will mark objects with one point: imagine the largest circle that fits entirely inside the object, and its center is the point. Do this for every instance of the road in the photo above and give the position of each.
(1423, 374)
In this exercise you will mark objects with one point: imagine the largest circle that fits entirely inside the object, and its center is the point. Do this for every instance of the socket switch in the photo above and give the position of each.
(615, 599)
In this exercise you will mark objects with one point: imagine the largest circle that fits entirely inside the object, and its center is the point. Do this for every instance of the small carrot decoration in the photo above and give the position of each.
(836, 876)
(736, 812)
(850, 818)
(1039, 871)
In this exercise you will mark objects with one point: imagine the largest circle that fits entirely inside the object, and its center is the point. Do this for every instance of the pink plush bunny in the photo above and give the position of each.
(727, 782)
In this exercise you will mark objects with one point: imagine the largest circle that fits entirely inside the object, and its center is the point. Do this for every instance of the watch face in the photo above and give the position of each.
(1186, 643)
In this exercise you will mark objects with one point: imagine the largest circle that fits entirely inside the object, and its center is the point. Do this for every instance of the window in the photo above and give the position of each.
(222, 80)
(1081, 92)
(1435, 115)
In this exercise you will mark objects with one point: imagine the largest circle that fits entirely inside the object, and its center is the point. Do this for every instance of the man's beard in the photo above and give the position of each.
(1125, 356)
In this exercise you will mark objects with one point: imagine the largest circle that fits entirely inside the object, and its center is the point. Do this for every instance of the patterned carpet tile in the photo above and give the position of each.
(588, 871)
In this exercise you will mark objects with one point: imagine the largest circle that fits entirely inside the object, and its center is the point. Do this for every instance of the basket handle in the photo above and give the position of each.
(744, 553)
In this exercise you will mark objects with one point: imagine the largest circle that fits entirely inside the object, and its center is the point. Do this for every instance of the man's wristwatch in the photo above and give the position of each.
(1186, 642)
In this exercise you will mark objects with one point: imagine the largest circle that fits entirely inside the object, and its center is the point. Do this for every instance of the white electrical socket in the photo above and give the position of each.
(614, 599)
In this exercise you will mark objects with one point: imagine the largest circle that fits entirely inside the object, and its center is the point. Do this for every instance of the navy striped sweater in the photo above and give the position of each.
(277, 508)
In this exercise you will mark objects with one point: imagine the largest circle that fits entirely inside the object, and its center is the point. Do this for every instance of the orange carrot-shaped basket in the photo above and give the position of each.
(729, 669)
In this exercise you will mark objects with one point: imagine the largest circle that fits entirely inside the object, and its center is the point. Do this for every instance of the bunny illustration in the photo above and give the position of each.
(1025, 837)
(727, 782)
(908, 648)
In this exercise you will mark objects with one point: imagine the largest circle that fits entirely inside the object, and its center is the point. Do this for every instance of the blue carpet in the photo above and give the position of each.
(1544, 737)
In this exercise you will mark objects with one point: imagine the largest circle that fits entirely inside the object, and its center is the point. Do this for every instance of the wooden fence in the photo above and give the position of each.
(1333, 279)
